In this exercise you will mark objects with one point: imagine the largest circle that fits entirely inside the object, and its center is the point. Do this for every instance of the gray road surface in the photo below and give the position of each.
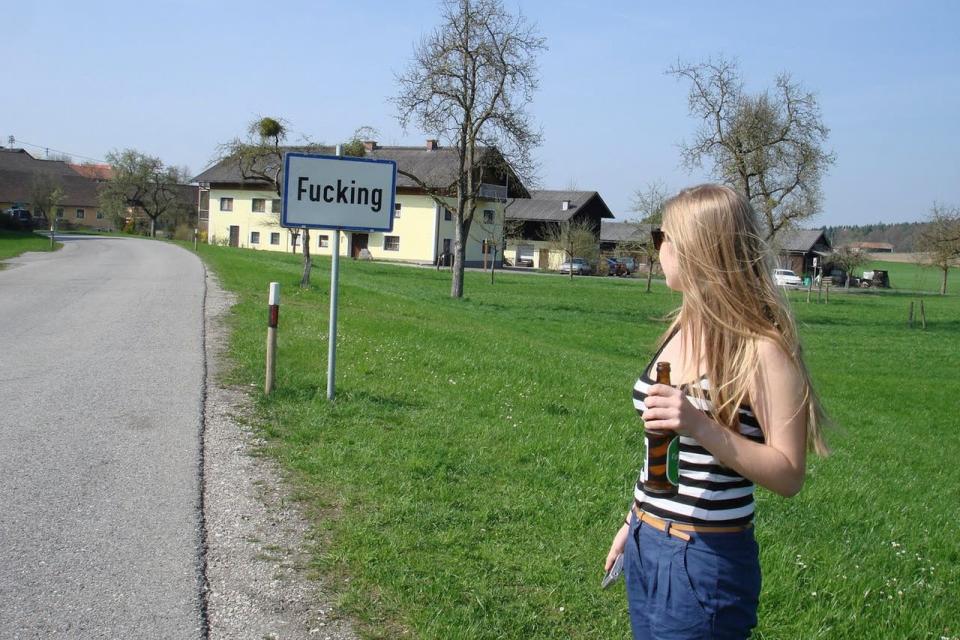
(101, 378)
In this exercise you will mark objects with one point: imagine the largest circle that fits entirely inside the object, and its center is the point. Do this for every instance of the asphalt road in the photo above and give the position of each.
(101, 394)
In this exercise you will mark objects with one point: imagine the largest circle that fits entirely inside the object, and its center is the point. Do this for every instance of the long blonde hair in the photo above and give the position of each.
(730, 301)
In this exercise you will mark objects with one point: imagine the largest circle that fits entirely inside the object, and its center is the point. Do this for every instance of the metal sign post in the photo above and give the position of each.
(334, 305)
(337, 193)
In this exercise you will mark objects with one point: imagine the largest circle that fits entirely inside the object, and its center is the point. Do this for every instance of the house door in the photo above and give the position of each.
(358, 244)
(234, 236)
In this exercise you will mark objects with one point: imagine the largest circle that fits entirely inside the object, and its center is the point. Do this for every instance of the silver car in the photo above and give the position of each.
(579, 266)
(786, 278)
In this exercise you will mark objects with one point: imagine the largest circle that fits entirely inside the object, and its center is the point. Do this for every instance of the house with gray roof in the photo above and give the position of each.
(533, 218)
(797, 248)
(80, 203)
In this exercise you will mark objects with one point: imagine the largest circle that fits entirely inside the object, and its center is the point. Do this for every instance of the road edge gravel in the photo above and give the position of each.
(255, 544)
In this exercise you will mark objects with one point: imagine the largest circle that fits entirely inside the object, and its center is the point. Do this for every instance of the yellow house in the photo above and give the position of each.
(245, 211)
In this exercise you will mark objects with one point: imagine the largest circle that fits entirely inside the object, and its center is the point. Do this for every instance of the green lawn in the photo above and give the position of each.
(911, 277)
(480, 453)
(13, 243)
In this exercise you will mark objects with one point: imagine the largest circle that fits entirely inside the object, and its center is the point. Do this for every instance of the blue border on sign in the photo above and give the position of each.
(286, 177)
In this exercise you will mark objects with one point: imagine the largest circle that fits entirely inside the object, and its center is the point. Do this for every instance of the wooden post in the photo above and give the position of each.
(923, 315)
(272, 322)
(910, 317)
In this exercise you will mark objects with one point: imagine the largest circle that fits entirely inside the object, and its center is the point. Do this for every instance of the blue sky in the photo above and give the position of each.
(175, 79)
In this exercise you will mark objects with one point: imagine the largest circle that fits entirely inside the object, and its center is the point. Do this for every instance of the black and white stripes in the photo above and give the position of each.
(709, 493)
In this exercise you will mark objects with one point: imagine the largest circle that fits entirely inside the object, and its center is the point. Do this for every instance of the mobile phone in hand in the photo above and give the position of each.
(614, 572)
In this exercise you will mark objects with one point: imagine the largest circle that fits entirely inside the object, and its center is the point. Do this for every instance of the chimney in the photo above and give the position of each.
(432, 145)
(370, 145)
(565, 205)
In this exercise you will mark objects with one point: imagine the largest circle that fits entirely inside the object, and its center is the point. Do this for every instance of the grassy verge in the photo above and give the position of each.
(480, 453)
(913, 277)
(13, 243)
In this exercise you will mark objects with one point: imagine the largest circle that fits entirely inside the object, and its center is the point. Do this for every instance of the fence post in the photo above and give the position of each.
(272, 321)
(910, 317)
(923, 315)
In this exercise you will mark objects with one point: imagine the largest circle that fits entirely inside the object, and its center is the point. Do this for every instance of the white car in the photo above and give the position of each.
(786, 278)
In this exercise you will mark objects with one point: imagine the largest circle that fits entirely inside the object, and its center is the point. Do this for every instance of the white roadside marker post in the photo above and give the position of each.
(196, 234)
(272, 321)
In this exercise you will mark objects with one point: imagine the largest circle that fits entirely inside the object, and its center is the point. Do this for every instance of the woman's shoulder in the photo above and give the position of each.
(777, 370)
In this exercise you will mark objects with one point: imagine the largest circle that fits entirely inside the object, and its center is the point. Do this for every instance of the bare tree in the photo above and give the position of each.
(142, 182)
(575, 238)
(768, 145)
(940, 240)
(469, 83)
(647, 203)
(848, 259)
(259, 157)
(45, 194)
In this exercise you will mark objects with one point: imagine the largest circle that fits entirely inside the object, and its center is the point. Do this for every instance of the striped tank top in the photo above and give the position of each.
(708, 493)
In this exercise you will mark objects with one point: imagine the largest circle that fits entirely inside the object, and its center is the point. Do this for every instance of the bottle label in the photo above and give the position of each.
(673, 462)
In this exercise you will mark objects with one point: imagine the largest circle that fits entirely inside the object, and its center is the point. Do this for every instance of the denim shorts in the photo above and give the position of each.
(707, 587)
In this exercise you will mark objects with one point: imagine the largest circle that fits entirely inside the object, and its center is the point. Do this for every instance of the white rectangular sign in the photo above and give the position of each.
(338, 192)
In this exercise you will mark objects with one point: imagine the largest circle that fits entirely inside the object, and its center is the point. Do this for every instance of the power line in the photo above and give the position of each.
(49, 149)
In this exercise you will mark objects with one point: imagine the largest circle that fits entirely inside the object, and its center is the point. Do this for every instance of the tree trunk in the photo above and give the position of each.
(153, 227)
(53, 231)
(493, 265)
(649, 274)
(307, 260)
(943, 283)
(461, 230)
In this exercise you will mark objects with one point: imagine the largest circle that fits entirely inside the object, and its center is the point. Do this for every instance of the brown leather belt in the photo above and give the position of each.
(680, 529)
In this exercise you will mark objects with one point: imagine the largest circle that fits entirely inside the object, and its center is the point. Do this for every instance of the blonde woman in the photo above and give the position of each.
(746, 413)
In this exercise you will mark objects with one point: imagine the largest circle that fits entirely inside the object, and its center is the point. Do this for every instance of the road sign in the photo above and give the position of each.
(331, 192)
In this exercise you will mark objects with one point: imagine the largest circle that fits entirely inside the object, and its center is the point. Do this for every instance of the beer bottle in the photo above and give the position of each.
(662, 462)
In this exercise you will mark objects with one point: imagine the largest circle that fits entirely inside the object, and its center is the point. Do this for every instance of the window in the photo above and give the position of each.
(488, 216)
(275, 205)
(259, 205)
(275, 237)
(324, 241)
(226, 204)
(80, 214)
(254, 237)
(447, 215)
(59, 212)
(391, 243)
(396, 210)
(99, 215)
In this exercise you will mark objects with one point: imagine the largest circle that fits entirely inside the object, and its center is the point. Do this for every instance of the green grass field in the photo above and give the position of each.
(13, 243)
(480, 453)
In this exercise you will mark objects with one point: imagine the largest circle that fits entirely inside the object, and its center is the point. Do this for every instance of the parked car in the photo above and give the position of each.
(875, 278)
(578, 266)
(618, 267)
(786, 278)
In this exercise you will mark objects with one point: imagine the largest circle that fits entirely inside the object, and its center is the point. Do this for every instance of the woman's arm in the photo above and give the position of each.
(776, 399)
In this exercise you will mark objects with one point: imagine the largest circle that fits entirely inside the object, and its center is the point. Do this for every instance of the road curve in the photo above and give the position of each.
(101, 398)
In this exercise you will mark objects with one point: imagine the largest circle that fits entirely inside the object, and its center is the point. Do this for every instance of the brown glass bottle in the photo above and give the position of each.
(662, 463)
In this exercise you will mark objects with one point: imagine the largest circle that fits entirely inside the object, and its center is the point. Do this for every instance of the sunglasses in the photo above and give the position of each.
(657, 235)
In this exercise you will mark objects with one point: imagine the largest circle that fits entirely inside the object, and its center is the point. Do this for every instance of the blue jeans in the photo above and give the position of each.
(707, 587)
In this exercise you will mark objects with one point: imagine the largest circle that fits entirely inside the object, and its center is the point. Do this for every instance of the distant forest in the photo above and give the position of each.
(903, 235)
